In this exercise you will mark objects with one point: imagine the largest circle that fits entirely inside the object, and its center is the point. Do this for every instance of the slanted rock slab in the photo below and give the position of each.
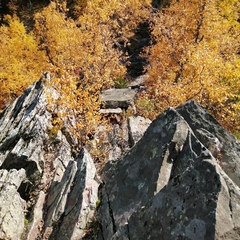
(117, 98)
(214, 137)
(72, 202)
(169, 186)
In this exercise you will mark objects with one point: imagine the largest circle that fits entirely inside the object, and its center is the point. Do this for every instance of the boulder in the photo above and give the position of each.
(117, 98)
(59, 188)
(137, 127)
(169, 186)
(12, 206)
(214, 137)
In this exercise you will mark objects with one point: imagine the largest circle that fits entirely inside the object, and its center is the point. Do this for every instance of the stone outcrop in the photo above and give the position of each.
(179, 178)
(72, 201)
(215, 137)
(117, 98)
(122, 136)
(170, 186)
(43, 184)
(12, 205)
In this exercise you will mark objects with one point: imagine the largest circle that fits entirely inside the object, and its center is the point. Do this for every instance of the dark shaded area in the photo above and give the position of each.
(76, 8)
(160, 3)
(33, 176)
(19, 104)
(3, 9)
(10, 142)
(137, 43)
(17, 162)
(135, 48)
(24, 9)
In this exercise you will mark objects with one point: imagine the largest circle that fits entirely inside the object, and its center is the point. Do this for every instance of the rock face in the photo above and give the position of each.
(170, 186)
(137, 127)
(215, 137)
(73, 199)
(118, 98)
(179, 181)
(12, 205)
(122, 137)
(46, 192)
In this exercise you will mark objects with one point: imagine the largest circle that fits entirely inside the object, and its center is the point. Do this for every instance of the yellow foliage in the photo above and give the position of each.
(196, 56)
(82, 54)
(21, 62)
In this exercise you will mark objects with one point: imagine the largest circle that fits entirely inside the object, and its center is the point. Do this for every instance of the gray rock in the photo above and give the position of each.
(117, 98)
(169, 186)
(138, 82)
(12, 206)
(119, 138)
(111, 111)
(113, 140)
(200, 120)
(23, 129)
(29, 141)
(73, 199)
(210, 141)
(137, 127)
(37, 222)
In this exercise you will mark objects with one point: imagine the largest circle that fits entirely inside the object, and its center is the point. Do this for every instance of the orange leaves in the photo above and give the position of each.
(195, 56)
(20, 61)
(86, 44)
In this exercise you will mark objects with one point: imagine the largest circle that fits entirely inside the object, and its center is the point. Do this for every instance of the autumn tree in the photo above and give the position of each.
(21, 62)
(196, 56)
(85, 45)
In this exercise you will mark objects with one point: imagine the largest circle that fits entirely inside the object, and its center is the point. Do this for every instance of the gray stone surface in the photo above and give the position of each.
(200, 120)
(12, 206)
(137, 127)
(73, 200)
(117, 139)
(37, 222)
(117, 98)
(29, 142)
(169, 186)
(111, 111)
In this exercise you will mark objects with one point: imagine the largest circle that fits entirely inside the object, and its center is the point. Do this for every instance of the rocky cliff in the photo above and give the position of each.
(46, 191)
(179, 181)
(172, 184)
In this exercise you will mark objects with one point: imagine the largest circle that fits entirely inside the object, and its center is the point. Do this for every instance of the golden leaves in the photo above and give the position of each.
(21, 62)
(195, 57)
